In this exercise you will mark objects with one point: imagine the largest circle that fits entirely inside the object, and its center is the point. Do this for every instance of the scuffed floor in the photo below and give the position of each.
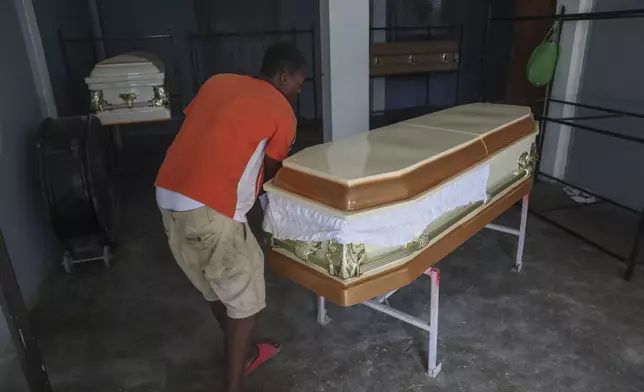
(568, 322)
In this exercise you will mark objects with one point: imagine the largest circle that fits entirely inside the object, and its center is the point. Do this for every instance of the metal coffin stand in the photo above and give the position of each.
(381, 304)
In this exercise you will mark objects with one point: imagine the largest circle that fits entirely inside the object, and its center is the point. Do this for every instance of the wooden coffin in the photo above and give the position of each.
(355, 218)
(395, 58)
(129, 88)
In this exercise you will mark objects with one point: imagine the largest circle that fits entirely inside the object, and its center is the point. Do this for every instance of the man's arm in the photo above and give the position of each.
(279, 146)
(271, 167)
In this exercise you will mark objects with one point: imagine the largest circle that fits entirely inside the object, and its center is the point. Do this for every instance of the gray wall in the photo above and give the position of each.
(22, 219)
(26, 230)
(613, 77)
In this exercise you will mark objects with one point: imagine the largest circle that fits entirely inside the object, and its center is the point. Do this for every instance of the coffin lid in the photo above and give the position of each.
(127, 66)
(400, 161)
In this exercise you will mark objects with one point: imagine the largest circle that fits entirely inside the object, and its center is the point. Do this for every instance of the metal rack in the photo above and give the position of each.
(392, 35)
(200, 73)
(604, 112)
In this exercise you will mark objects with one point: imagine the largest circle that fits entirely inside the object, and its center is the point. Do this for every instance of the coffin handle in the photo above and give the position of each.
(160, 97)
(129, 99)
(98, 102)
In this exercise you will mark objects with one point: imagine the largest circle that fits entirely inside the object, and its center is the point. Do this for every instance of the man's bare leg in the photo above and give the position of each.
(242, 339)
(218, 309)
(239, 333)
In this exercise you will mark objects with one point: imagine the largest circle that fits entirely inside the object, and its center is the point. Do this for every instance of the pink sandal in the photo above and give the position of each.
(265, 351)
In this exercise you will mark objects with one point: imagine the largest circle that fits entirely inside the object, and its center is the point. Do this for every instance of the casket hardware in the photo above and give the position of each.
(160, 98)
(419, 243)
(129, 98)
(305, 249)
(444, 57)
(411, 59)
(527, 161)
(376, 61)
(345, 259)
(98, 101)
(350, 260)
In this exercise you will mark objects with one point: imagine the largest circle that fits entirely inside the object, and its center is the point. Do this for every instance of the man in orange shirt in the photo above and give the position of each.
(237, 131)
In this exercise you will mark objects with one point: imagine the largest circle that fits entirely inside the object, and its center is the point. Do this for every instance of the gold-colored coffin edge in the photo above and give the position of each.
(408, 185)
(360, 290)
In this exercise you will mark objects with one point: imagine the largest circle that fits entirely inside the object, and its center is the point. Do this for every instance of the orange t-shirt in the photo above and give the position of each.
(217, 156)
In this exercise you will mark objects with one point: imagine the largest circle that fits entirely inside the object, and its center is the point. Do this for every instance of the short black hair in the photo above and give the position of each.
(282, 57)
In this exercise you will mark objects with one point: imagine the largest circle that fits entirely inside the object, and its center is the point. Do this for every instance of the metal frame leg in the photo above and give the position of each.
(518, 265)
(323, 318)
(635, 250)
(518, 262)
(432, 368)
(432, 327)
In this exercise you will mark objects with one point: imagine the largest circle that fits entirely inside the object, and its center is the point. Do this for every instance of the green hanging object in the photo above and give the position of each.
(543, 61)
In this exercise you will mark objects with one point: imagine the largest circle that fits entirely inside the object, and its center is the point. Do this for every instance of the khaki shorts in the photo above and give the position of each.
(220, 256)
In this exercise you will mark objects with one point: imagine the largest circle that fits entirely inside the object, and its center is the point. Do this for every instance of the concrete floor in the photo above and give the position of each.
(568, 322)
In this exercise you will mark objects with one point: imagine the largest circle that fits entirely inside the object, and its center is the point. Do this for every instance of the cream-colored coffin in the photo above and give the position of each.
(456, 169)
(129, 88)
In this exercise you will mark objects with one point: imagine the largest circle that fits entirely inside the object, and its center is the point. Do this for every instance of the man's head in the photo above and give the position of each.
(283, 67)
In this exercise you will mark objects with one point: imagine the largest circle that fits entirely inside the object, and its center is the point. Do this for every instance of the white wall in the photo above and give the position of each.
(344, 33)
(566, 87)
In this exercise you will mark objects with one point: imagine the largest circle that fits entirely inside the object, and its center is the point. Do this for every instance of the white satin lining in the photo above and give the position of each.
(288, 219)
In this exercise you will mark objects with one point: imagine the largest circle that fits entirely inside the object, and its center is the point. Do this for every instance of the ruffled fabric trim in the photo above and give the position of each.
(290, 219)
